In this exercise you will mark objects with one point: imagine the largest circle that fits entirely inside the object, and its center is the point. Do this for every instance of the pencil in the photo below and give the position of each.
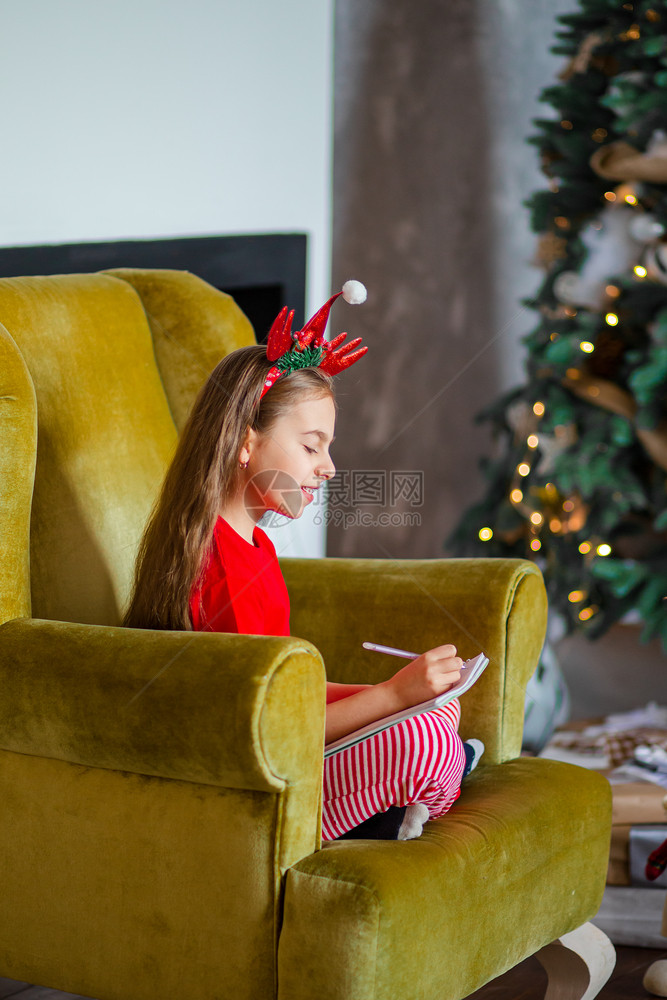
(391, 650)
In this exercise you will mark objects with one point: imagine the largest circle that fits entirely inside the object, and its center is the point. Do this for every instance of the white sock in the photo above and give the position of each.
(413, 821)
(478, 747)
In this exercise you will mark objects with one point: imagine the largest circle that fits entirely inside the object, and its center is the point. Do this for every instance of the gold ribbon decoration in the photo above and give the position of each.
(619, 161)
(612, 397)
(584, 58)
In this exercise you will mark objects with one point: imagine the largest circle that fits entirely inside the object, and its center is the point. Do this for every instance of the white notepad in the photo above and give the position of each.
(470, 671)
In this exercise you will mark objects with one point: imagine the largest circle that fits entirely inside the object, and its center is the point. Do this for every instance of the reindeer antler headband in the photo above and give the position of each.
(307, 348)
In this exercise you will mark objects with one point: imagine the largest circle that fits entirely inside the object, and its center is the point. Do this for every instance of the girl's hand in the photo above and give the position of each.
(419, 680)
(428, 675)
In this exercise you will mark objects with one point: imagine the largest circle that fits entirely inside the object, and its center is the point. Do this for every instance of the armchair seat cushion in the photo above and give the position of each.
(437, 917)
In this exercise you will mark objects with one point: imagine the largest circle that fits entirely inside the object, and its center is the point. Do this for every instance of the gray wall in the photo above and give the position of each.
(433, 103)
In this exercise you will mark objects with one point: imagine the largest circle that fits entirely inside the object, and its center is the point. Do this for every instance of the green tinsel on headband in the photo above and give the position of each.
(309, 357)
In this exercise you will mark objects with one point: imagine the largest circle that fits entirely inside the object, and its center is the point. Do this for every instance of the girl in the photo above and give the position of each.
(258, 440)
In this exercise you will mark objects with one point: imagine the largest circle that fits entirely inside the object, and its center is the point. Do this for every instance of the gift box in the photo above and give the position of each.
(618, 872)
(639, 821)
(632, 907)
(635, 802)
(642, 842)
(629, 851)
(611, 741)
(633, 916)
(595, 747)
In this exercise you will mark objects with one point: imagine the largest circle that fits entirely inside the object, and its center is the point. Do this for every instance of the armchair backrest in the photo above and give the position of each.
(97, 375)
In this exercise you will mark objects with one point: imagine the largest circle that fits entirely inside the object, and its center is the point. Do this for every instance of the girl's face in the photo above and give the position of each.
(288, 463)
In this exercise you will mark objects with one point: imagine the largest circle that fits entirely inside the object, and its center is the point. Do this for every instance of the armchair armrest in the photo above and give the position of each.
(498, 606)
(203, 707)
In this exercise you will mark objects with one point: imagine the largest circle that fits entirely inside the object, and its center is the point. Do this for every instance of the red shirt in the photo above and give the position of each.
(242, 588)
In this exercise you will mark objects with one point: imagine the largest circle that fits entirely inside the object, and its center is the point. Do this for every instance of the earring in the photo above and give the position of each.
(244, 465)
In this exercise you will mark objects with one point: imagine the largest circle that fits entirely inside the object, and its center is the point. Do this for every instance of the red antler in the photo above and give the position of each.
(335, 361)
(280, 335)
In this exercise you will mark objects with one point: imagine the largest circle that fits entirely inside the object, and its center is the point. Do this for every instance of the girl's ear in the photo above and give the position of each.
(248, 443)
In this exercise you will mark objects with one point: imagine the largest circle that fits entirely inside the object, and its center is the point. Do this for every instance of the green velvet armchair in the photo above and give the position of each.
(160, 822)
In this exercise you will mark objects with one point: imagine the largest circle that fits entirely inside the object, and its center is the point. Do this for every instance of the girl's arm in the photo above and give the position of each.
(355, 705)
(337, 691)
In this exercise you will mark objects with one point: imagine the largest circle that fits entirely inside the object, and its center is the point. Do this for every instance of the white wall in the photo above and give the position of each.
(155, 118)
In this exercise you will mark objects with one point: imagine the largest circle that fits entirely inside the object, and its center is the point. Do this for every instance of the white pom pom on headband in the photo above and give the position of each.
(354, 292)
(307, 348)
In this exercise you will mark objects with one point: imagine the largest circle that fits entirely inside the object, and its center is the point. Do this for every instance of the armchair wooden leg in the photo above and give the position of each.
(578, 964)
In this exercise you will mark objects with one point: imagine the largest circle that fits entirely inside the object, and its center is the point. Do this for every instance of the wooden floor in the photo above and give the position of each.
(528, 981)
(525, 982)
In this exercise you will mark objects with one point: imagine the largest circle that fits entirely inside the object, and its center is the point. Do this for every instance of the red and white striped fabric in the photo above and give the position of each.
(419, 760)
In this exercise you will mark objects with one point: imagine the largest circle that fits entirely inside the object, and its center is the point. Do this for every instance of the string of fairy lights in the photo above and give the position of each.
(559, 514)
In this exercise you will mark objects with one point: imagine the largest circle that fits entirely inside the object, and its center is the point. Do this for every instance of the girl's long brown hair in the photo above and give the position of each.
(204, 473)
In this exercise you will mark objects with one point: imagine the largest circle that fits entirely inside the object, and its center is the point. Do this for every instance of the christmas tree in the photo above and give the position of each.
(579, 480)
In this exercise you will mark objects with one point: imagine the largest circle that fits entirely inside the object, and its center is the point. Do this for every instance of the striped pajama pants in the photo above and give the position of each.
(419, 760)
